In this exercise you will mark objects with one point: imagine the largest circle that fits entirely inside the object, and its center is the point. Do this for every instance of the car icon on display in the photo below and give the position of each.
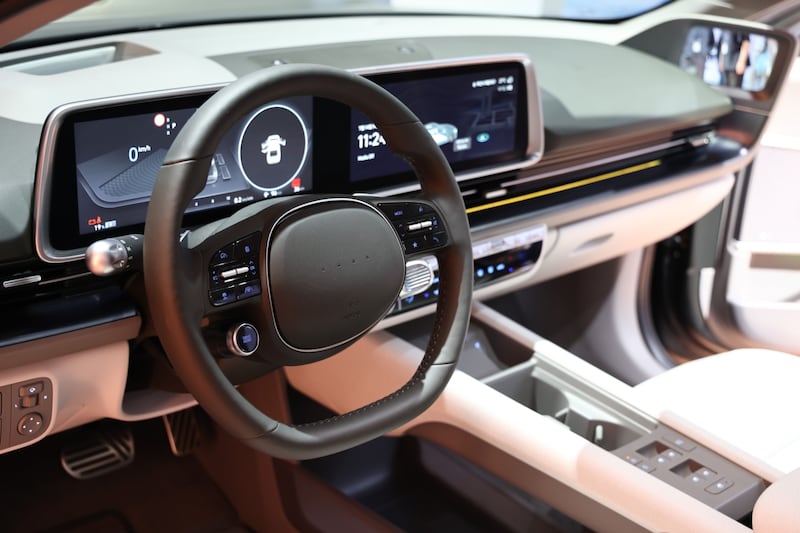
(271, 147)
(442, 133)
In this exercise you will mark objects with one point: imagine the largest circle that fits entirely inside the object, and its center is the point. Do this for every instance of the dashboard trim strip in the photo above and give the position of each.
(566, 187)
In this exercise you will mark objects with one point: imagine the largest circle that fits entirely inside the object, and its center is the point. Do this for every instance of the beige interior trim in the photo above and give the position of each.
(381, 362)
(778, 510)
(87, 385)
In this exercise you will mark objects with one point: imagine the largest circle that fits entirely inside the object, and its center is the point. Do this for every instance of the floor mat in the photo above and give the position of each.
(158, 492)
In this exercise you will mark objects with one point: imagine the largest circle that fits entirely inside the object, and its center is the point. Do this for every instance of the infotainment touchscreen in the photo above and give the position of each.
(117, 161)
(727, 57)
(475, 116)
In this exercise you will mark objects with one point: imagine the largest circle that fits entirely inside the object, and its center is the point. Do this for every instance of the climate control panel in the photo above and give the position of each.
(494, 259)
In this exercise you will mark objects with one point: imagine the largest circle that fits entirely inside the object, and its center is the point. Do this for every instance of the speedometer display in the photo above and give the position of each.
(117, 161)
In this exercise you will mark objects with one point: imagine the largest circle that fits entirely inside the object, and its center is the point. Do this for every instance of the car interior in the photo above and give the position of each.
(399, 266)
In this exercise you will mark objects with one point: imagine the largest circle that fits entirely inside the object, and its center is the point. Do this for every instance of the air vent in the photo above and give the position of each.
(77, 59)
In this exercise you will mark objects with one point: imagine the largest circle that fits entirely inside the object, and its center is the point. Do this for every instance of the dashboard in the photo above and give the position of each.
(106, 155)
(542, 133)
(577, 148)
(568, 152)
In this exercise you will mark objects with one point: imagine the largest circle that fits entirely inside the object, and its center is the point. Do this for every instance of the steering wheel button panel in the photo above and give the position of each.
(230, 266)
(417, 224)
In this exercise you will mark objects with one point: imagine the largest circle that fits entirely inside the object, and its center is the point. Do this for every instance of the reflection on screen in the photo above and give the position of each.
(729, 58)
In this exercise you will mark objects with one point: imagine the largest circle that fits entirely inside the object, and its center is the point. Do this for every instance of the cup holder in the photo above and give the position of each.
(589, 419)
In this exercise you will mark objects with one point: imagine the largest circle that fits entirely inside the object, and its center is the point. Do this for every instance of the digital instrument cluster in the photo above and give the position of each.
(117, 161)
(106, 157)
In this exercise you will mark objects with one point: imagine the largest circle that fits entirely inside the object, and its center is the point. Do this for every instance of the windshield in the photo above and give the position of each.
(105, 16)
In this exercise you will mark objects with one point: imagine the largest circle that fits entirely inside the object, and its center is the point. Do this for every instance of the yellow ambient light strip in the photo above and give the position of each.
(566, 187)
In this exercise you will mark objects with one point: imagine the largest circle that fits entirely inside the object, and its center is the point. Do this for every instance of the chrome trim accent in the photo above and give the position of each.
(233, 346)
(19, 282)
(744, 108)
(420, 274)
(268, 287)
(65, 278)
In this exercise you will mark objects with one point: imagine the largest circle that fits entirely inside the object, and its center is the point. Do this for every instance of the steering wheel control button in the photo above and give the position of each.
(227, 274)
(30, 425)
(417, 224)
(223, 296)
(243, 339)
(246, 290)
(232, 265)
(247, 248)
(223, 255)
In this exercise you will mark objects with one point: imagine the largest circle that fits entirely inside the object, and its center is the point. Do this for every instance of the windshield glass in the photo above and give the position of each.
(106, 16)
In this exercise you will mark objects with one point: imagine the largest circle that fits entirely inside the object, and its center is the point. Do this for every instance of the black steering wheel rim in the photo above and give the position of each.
(170, 273)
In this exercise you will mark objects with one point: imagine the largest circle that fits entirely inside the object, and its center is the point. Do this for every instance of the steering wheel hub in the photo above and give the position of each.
(335, 269)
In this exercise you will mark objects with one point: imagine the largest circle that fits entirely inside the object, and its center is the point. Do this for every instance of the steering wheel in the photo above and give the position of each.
(324, 270)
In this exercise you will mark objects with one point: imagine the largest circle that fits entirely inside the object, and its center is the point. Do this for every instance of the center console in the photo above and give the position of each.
(551, 424)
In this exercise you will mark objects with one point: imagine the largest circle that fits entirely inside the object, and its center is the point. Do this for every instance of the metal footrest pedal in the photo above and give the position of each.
(98, 451)
(184, 431)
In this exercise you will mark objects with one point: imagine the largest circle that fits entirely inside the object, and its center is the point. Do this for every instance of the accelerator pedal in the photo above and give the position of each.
(184, 431)
(98, 451)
